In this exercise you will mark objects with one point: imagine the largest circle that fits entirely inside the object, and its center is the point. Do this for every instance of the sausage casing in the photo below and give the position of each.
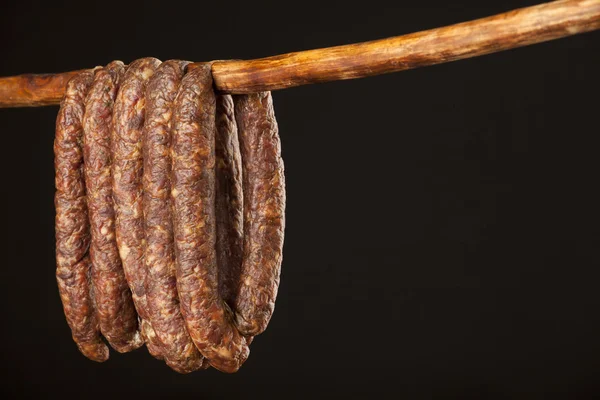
(208, 318)
(161, 291)
(126, 168)
(72, 225)
(116, 312)
(264, 207)
(229, 199)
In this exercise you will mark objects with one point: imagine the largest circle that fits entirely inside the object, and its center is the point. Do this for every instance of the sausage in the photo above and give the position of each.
(127, 169)
(161, 291)
(264, 207)
(116, 312)
(72, 226)
(229, 200)
(229, 210)
(208, 318)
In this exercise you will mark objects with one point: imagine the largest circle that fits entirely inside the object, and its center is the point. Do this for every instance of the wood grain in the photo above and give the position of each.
(469, 39)
(505, 31)
(32, 90)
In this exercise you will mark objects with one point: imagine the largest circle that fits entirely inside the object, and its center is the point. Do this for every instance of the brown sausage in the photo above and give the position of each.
(208, 318)
(161, 290)
(72, 225)
(117, 316)
(229, 210)
(264, 207)
(229, 200)
(127, 169)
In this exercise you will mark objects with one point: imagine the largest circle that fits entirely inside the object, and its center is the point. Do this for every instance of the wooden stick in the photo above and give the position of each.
(469, 39)
(32, 90)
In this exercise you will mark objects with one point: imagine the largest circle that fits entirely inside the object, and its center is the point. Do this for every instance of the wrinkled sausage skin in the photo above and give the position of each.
(161, 291)
(127, 169)
(72, 225)
(264, 207)
(116, 312)
(229, 200)
(208, 318)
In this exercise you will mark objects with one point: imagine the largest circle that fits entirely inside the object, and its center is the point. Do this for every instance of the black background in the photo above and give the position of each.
(443, 228)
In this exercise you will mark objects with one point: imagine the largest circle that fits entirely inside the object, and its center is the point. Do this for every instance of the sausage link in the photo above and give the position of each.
(208, 318)
(229, 200)
(161, 291)
(117, 316)
(127, 170)
(264, 207)
(72, 226)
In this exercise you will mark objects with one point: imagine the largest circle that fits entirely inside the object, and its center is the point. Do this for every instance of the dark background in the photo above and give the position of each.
(443, 228)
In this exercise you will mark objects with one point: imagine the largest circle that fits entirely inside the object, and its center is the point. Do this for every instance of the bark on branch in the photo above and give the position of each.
(505, 31)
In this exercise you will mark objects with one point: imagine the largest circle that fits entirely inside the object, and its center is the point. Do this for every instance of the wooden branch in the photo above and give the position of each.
(469, 39)
(32, 90)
